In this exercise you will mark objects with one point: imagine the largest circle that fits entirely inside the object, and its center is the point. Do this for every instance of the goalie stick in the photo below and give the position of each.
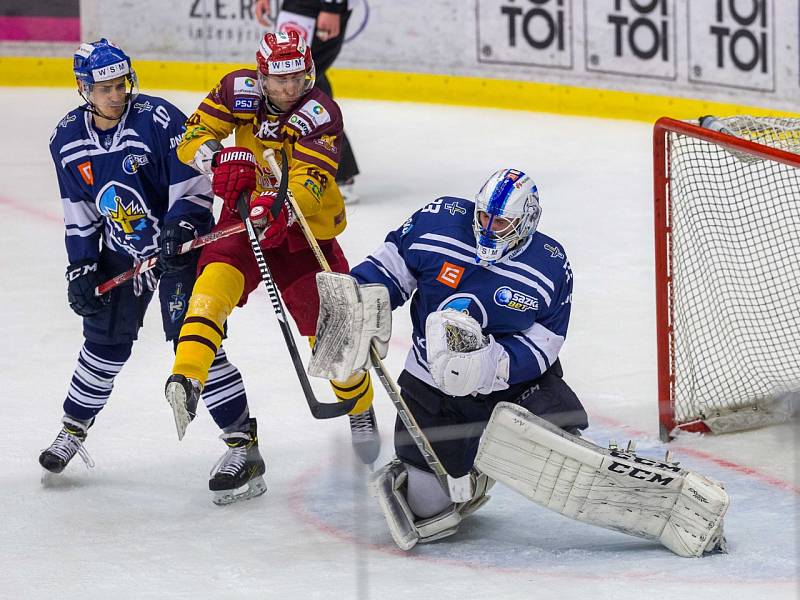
(150, 263)
(459, 489)
(320, 410)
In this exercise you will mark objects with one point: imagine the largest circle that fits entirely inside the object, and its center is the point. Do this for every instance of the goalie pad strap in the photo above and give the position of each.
(352, 318)
(610, 488)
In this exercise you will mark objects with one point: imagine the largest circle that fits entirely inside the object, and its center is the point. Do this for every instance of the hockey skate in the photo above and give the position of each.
(67, 444)
(182, 394)
(238, 475)
(366, 438)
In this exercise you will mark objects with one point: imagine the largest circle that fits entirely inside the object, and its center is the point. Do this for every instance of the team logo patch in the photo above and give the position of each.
(177, 303)
(267, 130)
(508, 298)
(327, 142)
(468, 304)
(450, 275)
(554, 251)
(245, 85)
(454, 207)
(143, 106)
(128, 221)
(245, 103)
(315, 112)
(132, 162)
(407, 226)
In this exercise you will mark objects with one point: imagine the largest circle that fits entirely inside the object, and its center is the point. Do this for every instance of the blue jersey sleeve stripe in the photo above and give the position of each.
(385, 272)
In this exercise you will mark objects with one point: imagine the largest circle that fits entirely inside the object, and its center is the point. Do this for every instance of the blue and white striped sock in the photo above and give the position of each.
(224, 394)
(93, 378)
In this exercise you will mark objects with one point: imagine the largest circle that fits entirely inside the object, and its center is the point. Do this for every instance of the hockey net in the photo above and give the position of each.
(727, 226)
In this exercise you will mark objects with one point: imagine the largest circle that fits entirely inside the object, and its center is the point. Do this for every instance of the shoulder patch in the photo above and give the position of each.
(555, 251)
(245, 85)
(299, 123)
(315, 112)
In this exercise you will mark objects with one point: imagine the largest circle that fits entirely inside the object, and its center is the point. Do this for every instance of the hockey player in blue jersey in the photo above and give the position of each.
(481, 267)
(126, 196)
(483, 390)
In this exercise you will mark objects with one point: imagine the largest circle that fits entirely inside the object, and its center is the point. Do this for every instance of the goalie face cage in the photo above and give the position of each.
(727, 250)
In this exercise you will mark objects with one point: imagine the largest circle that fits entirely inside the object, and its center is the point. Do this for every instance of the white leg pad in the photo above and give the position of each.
(610, 488)
(352, 318)
(389, 484)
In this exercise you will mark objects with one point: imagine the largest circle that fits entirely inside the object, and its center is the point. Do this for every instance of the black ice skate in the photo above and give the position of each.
(366, 439)
(238, 475)
(67, 444)
(182, 394)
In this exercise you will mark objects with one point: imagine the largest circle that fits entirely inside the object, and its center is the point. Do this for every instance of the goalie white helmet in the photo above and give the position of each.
(507, 213)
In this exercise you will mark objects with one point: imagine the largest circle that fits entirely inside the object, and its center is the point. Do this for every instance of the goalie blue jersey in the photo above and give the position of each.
(524, 300)
(119, 187)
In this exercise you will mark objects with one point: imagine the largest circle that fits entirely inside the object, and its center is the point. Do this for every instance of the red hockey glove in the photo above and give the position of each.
(234, 173)
(260, 216)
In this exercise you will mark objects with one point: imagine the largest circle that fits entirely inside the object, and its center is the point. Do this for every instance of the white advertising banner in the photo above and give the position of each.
(737, 51)
(733, 43)
(631, 37)
(538, 34)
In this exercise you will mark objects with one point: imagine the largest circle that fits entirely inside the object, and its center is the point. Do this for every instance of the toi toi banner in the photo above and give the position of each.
(40, 21)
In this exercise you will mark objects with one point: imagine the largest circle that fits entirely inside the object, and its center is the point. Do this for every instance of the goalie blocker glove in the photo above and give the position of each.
(83, 277)
(352, 319)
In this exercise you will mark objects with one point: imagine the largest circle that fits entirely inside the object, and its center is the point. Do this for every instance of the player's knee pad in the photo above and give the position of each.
(216, 291)
(358, 386)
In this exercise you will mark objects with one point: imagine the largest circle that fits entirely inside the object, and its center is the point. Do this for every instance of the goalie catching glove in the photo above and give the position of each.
(461, 360)
(352, 318)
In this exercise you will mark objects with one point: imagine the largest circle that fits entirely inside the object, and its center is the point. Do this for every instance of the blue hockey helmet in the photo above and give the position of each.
(95, 62)
(507, 213)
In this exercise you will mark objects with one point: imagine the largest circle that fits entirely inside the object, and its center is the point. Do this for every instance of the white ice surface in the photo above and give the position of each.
(142, 525)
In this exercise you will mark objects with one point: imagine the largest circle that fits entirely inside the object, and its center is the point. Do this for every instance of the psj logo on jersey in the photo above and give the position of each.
(515, 300)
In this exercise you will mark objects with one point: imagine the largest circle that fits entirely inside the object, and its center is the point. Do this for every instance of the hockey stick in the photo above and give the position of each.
(150, 263)
(320, 410)
(459, 489)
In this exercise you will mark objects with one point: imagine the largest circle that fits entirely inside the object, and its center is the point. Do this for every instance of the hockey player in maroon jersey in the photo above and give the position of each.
(274, 106)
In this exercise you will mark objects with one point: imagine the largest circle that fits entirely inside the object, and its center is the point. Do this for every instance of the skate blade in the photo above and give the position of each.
(367, 451)
(177, 400)
(251, 489)
(49, 479)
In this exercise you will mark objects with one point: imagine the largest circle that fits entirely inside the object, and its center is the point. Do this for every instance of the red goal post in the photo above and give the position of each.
(727, 253)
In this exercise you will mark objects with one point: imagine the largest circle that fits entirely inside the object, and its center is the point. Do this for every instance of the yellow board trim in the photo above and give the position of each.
(407, 87)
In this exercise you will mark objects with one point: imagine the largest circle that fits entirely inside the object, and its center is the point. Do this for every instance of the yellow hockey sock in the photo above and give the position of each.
(215, 293)
(358, 385)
